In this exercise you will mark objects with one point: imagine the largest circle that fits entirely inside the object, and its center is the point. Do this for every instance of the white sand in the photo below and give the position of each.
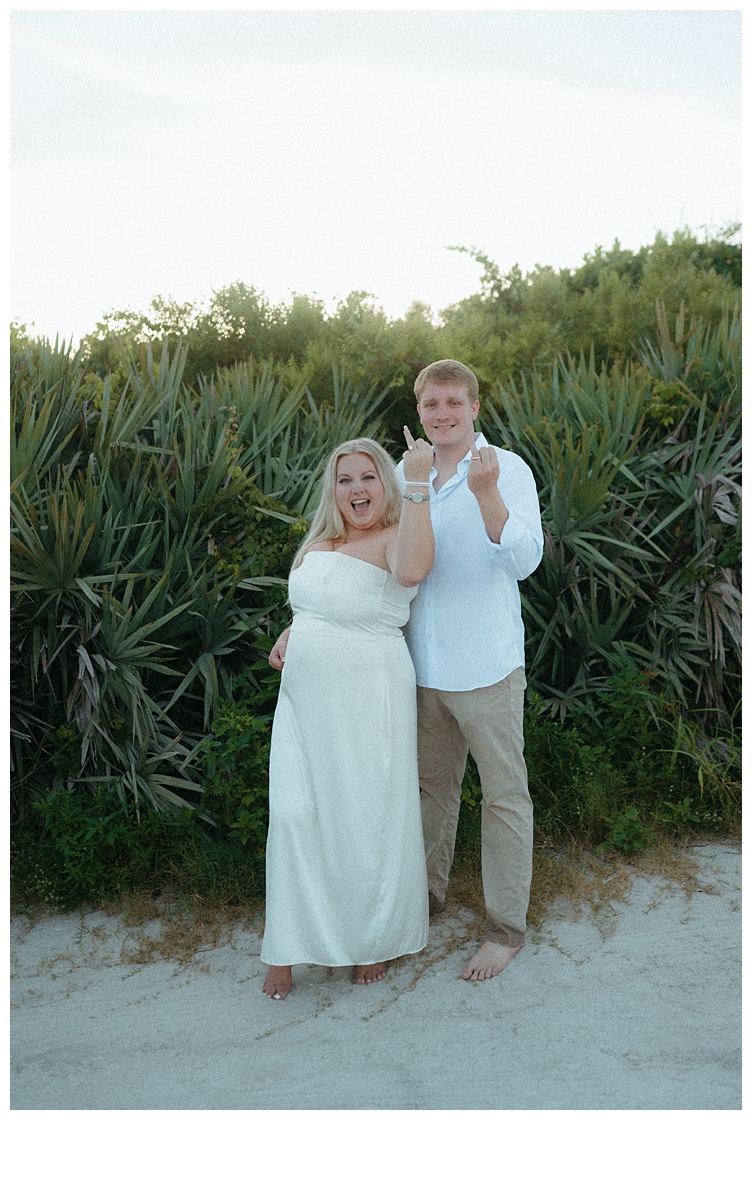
(641, 1010)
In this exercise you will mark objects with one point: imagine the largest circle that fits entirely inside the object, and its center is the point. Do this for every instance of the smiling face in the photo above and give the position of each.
(447, 414)
(359, 492)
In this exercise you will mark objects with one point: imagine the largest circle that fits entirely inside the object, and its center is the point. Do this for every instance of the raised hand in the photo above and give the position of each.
(410, 555)
(417, 459)
(483, 472)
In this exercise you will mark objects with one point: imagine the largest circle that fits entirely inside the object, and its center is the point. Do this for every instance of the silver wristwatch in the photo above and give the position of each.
(416, 497)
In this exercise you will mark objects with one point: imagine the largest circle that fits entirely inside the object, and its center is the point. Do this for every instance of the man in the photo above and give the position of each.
(466, 638)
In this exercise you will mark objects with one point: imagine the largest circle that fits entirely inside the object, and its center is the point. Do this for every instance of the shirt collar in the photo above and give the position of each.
(464, 463)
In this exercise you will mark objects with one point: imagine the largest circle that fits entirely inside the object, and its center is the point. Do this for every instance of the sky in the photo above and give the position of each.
(326, 151)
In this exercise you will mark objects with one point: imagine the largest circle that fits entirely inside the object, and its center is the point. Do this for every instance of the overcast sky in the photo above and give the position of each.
(323, 152)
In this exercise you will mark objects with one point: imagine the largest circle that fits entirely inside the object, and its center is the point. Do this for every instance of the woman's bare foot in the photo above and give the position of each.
(278, 982)
(489, 961)
(371, 973)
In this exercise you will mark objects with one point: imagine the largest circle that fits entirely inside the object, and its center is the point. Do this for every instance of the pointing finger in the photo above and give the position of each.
(408, 437)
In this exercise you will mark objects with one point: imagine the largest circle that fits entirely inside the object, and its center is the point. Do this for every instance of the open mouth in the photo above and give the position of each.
(360, 506)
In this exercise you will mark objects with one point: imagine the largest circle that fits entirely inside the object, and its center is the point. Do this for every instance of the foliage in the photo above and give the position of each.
(516, 322)
(162, 476)
(146, 560)
(627, 834)
(94, 851)
(641, 516)
(234, 762)
(616, 772)
(628, 760)
(92, 845)
(286, 442)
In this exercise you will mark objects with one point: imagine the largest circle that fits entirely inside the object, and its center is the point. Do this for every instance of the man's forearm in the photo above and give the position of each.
(494, 512)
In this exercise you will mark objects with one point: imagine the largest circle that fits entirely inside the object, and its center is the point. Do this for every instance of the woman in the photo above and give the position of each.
(346, 880)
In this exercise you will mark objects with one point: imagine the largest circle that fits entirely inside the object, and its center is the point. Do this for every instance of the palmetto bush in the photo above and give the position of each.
(151, 532)
(283, 434)
(153, 524)
(639, 475)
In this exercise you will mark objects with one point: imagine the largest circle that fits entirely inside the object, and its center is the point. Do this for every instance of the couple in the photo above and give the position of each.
(346, 856)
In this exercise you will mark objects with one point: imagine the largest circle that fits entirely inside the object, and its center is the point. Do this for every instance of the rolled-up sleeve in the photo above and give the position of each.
(520, 547)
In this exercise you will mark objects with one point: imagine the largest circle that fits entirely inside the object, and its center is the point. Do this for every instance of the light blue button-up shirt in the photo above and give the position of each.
(465, 629)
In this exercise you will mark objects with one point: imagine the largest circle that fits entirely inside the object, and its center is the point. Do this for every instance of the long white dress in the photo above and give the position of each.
(345, 865)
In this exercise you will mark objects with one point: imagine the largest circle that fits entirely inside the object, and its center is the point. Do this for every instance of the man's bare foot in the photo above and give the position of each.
(278, 982)
(371, 973)
(489, 961)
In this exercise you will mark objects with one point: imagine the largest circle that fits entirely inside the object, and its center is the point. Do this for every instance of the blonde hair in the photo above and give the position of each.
(327, 522)
(447, 370)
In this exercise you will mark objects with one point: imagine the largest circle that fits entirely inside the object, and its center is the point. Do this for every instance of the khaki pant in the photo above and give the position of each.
(487, 722)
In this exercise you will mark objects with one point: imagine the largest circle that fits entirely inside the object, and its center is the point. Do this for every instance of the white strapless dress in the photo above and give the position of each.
(345, 865)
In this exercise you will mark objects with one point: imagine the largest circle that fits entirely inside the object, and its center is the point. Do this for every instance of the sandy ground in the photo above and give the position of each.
(637, 1009)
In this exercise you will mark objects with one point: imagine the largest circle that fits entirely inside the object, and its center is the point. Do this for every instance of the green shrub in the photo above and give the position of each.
(154, 520)
(145, 561)
(76, 851)
(627, 833)
(234, 764)
(610, 769)
(642, 523)
(83, 846)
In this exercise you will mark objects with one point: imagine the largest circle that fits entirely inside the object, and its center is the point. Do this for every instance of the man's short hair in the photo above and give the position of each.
(447, 370)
